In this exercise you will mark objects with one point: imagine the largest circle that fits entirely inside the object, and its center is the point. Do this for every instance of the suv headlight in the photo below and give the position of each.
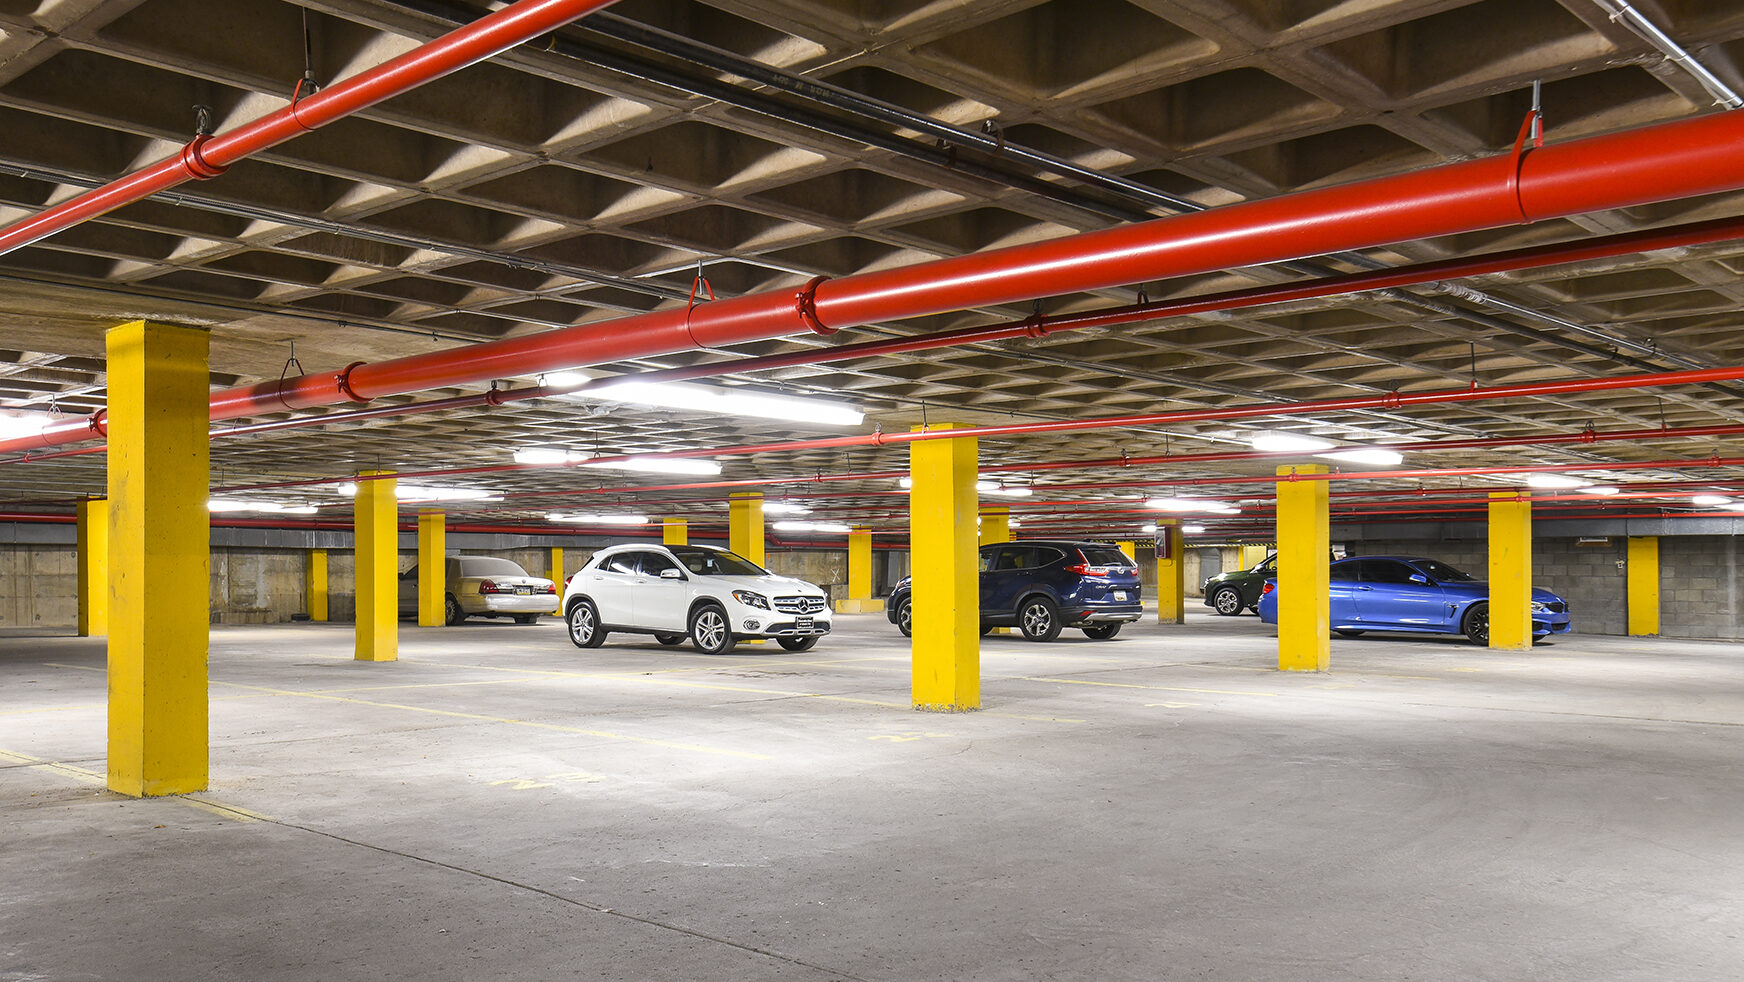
(751, 598)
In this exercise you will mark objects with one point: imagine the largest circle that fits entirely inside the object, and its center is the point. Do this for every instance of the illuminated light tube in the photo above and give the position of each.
(811, 527)
(1192, 529)
(419, 492)
(784, 508)
(18, 422)
(659, 465)
(1192, 504)
(1555, 481)
(730, 402)
(598, 519)
(1710, 499)
(1603, 490)
(1366, 455)
(1288, 443)
(543, 455)
(216, 505)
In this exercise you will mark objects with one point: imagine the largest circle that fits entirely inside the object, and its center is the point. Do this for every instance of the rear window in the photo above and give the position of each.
(489, 566)
(1105, 556)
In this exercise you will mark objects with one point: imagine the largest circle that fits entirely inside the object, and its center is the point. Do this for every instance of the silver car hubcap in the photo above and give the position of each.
(710, 628)
(1036, 619)
(907, 615)
(1228, 601)
(581, 624)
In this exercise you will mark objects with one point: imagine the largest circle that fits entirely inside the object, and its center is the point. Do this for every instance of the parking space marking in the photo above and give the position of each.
(533, 724)
(1153, 688)
(87, 776)
(42, 764)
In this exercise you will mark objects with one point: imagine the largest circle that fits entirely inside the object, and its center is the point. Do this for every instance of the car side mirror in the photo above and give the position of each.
(1420, 578)
(671, 574)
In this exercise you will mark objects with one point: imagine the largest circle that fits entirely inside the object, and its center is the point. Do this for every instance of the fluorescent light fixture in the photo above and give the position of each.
(1014, 525)
(1710, 499)
(995, 488)
(810, 527)
(905, 482)
(1192, 529)
(299, 510)
(1555, 481)
(1148, 529)
(1193, 504)
(598, 519)
(543, 455)
(563, 380)
(238, 504)
(1603, 490)
(784, 508)
(22, 422)
(1366, 455)
(418, 492)
(730, 402)
(1288, 443)
(1734, 506)
(659, 465)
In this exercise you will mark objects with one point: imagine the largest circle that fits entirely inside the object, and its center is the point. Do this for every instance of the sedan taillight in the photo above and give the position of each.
(488, 586)
(550, 588)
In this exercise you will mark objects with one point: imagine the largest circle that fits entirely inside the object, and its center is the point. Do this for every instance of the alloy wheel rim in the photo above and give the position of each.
(709, 629)
(1227, 601)
(907, 616)
(581, 624)
(1035, 618)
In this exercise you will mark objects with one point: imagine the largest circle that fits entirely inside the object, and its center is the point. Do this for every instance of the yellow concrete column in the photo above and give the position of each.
(1171, 572)
(860, 599)
(947, 596)
(556, 577)
(1304, 542)
(995, 524)
(159, 558)
(317, 591)
(745, 525)
(432, 569)
(1643, 584)
(1130, 549)
(674, 532)
(93, 567)
(1510, 571)
(376, 536)
(1254, 553)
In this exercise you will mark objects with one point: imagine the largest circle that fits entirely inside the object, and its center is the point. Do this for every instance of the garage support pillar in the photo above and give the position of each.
(1510, 571)
(432, 568)
(995, 528)
(1304, 542)
(1171, 573)
(376, 535)
(317, 585)
(1643, 584)
(93, 567)
(745, 525)
(859, 599)
(160, 558)
(947, 598)
(1253, 554)
(674, 532)
(556, 577)
(1129, 549)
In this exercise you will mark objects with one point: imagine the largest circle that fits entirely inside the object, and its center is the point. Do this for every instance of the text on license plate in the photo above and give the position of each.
(802, 623)
(526, 590)
(1120, 594)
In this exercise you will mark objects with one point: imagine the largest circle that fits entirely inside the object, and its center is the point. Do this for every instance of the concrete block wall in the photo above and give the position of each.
(38, 586)
(253, 586)
(1699, 587)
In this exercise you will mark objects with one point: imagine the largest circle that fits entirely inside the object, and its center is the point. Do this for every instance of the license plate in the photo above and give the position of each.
(802, 623)
(524, 590)
(1120, 594)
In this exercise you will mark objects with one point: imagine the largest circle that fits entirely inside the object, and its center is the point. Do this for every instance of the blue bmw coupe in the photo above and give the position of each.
(1401, 593)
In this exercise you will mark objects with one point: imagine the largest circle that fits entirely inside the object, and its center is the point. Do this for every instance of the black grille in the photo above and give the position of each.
(799, 605)
(1556, 608)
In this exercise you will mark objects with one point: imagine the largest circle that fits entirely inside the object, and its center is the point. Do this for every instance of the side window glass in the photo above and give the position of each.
(653, 563)
(1386, 572)
(1045, 557)
(987, 558)
(623, 562)
(1344, 572)
(1269, 566)
(1016, 557)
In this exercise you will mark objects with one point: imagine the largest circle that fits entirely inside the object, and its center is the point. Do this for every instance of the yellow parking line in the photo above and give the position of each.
(232, 812)
(69, 770)
(1153, 688)
(602, 734)
(76, 668)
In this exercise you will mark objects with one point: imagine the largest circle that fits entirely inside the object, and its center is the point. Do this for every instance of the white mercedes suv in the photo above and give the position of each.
(712, 596)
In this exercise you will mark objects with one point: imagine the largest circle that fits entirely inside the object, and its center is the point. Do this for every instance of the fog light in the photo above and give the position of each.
(753, 624)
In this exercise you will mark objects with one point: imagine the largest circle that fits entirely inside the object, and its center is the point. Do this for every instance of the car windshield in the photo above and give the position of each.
(489, 566)
(714, 562)
(1442, 572)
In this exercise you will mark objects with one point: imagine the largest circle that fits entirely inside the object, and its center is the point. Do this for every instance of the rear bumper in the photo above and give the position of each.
(1101, 614)
(512, 603)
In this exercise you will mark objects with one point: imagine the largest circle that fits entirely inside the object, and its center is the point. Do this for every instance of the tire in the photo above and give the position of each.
(1226, 600)
(452, 612)
(584, 625)
(1349, 634)
(905, 617)
(670, 639)
(526, 618)
(1102, 632)
(710, 631)
(1476, 623)
(986, 629)
(1039, 619)
(799, 644)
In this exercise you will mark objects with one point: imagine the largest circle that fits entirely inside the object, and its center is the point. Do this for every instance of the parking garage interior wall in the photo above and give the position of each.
(38, 585)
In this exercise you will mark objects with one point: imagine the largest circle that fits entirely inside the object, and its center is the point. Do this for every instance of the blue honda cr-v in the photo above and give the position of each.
(1042, 585)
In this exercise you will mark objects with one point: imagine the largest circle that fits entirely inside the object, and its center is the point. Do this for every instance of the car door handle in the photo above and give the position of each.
(1365, 588)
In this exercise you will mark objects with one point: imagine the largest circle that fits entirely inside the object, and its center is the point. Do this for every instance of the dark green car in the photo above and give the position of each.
(1237, 590)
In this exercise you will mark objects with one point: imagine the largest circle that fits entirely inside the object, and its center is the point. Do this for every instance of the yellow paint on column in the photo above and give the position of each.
(859, 599)
(376, 536)
(947, 599)
(1510, 571)
(159, 558)
(1171, 573)
(745, 526)
(674, 532)
(317, 586)
(556, 578)
(93, 567)
(1643, 584)
(1304, 541)
(1253, 554)
(1130, 549)
(995, 524)
(432, 568)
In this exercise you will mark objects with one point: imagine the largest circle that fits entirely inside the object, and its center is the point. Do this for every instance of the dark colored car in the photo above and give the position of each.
(1239, 589)
(1400, 593)
(1042, 585)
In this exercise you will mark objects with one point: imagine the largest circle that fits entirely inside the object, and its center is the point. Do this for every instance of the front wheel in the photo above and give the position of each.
(1226, 600)
(710, 632)
(452, 612)
(584, 625)
(1039, 619)
(1476, 625)
(905, 617)
(1101, 632)
(526, 618)
(799, 644)
(669, 639)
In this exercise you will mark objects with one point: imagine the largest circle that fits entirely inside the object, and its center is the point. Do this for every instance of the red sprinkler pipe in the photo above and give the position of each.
(208, 156)
(1658, 163)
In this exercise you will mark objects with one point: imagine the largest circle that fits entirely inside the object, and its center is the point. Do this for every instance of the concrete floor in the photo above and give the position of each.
(501, 805)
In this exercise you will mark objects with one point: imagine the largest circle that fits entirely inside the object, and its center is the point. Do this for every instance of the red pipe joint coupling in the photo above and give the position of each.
(195, 163)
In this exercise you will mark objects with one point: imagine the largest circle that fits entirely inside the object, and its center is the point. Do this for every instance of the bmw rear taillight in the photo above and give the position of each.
(1268, 588)
(488, 586)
